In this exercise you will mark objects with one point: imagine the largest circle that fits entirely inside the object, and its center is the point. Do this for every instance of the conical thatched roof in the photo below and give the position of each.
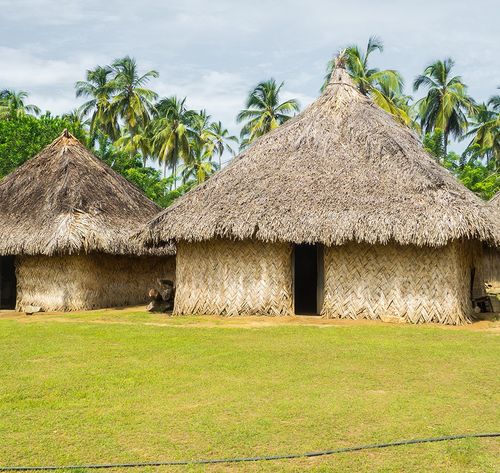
(66, 201)
(341, 170)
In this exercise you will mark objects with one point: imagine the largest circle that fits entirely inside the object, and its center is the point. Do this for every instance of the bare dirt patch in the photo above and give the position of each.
(125, 316)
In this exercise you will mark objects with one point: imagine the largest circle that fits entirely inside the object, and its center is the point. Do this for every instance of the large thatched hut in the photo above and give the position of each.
(337, 212)
(492, 254)
(65, 224)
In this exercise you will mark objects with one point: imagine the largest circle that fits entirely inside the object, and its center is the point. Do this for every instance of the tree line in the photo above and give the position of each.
(128, 125)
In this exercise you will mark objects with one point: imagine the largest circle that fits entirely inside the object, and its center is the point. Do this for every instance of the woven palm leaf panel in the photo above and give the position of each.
(223, 277)
(396, 282)
(82, 282)
(491, 262)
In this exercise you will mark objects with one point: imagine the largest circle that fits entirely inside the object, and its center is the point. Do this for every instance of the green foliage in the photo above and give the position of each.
(23, 137)
(131, 167)
(433, 144)
(174, 194)
(474, 175)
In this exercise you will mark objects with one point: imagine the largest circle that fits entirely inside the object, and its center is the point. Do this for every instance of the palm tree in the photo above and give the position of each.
(393, 101)
(139, 142)
(484, 126)
(99, 87)
(77, 118)
(199, 165)
(12, 104)
(446, 102)
(264, 112)
(133, 102)
(170, 134)
(383, 86)
(220, 139)
(494, 102)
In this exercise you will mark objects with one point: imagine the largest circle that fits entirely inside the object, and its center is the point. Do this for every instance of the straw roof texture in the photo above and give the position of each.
(495, 201)
(67, 201)
(342, 170)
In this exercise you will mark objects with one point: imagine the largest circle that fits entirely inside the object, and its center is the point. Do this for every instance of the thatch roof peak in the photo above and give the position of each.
(342, 170)
(66, 201)
(339, 76)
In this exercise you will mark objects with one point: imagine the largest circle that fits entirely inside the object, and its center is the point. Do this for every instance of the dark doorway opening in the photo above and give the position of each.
(308, 270)
(7, 282)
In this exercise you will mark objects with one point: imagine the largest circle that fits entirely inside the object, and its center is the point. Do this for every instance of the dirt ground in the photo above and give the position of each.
(112, 316)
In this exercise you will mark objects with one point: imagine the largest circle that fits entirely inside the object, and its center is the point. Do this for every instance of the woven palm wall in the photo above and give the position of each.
(82, 282)
(224, 277)
(491, 261)
(406, 283)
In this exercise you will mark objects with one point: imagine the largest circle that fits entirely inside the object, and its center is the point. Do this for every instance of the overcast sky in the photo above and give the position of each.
(214, 51)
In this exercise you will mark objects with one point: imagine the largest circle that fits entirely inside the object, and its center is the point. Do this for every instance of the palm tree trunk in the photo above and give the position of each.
(445, 145)
(174, 173)
(164, 168)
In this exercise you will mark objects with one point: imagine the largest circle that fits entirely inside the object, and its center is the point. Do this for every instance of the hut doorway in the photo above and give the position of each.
(8, 282)
(308, 279)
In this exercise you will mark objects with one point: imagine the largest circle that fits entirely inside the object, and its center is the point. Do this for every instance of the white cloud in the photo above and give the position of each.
(25, 68)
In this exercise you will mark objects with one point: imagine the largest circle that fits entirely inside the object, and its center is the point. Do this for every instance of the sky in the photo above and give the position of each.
(215, 51)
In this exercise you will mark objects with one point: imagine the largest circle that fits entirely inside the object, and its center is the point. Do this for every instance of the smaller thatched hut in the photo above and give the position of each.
(492, 255)
(65, 224)
(338, 212)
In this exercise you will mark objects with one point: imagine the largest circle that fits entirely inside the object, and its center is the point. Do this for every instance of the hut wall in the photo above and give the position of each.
(491, 267)
(401, 283)
(223, 277)
(83, 282)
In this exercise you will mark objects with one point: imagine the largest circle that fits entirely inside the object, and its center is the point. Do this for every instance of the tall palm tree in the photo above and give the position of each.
(383, 86)
(264, 112)
(170, 134)
(220, 140)
(484, 130)
(139, 142)
(446, 104)
(12, 104)
(392, 100)
(133, 102)
(99, 88)
(76, 117)
(494, 102)
(199, 165)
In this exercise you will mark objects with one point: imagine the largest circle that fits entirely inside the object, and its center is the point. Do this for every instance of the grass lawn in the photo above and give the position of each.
(118, 386)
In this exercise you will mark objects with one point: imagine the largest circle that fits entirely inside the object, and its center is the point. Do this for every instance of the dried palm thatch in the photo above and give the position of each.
(77, 282)
(67, 201)
(221, 277)
(343, 170)
(495, 201)
(401, 283)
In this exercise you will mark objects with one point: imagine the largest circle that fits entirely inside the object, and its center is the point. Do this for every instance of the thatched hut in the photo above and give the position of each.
(492, 255)
(65, 224)
(338, 212)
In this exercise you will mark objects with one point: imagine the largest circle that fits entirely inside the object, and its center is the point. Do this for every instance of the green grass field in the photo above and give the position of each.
(118, 386)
